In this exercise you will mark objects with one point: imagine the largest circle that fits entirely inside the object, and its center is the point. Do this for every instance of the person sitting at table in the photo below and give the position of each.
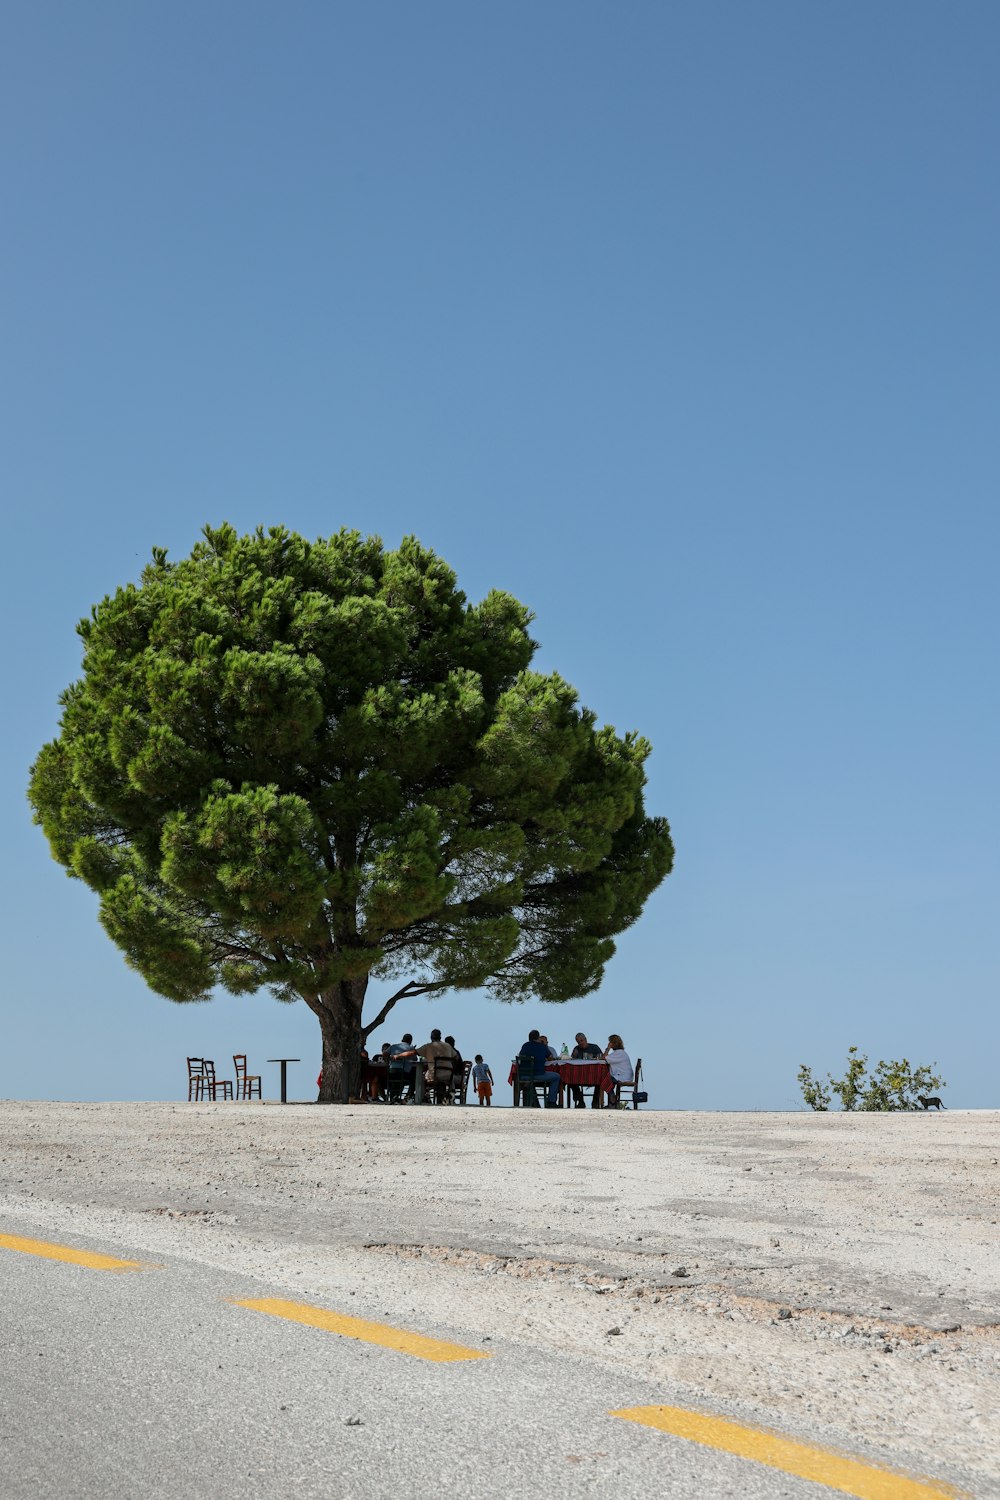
(457, 1062)
(618, 1060)
(538, 1054)
(553, 1054)
(403, 1062)
(377, 1074)
(580, 1052)
(440, 1059)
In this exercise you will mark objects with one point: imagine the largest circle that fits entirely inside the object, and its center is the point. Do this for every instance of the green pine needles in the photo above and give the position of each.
(298, 765)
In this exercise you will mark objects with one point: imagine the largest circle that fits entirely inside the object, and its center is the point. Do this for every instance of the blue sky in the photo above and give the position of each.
(680, 322)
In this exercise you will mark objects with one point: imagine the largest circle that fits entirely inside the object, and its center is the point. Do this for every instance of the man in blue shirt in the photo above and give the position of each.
(402, 1065)
(536, 1050)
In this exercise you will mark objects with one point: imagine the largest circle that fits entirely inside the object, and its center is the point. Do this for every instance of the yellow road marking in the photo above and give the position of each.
(65, 1252)
(802, 1459)
(370, 1333)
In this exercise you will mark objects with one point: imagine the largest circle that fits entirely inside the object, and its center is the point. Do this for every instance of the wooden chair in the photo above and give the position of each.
(441, 1086)
(528, 1086)
(211, 1085)
(196, 1078)
(460, 1084)
(638, 1097)
(400, 1076)
(247, 1084)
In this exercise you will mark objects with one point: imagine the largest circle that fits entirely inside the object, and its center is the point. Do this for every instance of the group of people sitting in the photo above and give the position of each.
(393, 1073)
(537, 1056)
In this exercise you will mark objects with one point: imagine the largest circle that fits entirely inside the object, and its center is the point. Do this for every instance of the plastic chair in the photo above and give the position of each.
(247, 1084)
(211, 1085)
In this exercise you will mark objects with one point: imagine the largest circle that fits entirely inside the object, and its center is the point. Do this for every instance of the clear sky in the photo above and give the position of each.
(678, 321)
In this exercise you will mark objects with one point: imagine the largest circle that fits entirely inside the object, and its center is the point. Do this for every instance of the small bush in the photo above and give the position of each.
(889, 1086)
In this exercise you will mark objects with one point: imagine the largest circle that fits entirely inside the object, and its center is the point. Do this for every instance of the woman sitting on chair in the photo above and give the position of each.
(618, 1060)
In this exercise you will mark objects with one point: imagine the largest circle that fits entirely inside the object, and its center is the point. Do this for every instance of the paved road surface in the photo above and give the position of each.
(124, 1384)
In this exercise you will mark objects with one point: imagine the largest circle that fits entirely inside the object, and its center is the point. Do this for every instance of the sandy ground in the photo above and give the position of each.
(834, 1276)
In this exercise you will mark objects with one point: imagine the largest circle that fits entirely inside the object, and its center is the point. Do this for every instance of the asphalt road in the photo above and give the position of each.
(123, 1384)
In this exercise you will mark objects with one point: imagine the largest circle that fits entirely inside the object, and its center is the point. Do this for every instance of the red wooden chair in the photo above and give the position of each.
(247, 1084)
(211, 1085)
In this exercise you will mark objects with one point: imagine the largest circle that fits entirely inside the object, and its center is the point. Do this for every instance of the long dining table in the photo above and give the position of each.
(582, 1072)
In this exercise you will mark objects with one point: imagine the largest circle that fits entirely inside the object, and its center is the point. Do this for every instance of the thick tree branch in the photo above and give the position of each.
(409, 990)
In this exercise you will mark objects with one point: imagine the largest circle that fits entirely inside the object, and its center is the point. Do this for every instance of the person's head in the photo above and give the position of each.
(407, 1037)
(386, 1047)
(450, 1040)
(581, 1039)
(615, 1042)
(544, 1039)
(435, 1035)
(533, 1036)
(479, 1057)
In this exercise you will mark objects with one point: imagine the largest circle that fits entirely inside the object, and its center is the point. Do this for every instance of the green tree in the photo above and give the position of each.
(299, 765)
(892, 1085)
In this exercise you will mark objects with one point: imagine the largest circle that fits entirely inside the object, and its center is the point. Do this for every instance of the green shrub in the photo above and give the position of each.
(889, 1086)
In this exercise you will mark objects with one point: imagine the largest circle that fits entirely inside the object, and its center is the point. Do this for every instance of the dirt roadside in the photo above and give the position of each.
(825, 1273)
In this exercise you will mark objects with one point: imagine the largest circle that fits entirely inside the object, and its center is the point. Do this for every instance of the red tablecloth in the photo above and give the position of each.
(586, 1075)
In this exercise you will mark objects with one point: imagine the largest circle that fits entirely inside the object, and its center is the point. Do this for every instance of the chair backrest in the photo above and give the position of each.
(208, 1069)
(240, 1064)
(526, 1077)
(638, 1071)
(443, 1069)
(196, 1067)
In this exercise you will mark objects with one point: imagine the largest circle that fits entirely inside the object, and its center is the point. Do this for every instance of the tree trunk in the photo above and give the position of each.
(339, 1012)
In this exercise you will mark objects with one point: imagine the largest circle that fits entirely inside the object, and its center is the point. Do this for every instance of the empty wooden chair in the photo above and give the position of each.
(247, 1084)
(211, 1085)
(460, 1084)
(196, 1078)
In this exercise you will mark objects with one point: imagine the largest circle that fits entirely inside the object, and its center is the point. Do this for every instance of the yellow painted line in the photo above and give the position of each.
(64, 1252)
(370, 1333)
(801, 1459)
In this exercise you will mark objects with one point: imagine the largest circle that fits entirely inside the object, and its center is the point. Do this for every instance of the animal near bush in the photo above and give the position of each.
(889, 1086)
(299, 765)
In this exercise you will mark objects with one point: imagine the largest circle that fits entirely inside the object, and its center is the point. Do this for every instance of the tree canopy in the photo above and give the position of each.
(300, 764)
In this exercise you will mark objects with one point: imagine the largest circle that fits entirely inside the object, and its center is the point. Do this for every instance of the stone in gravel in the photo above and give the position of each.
(680, 1271)
(784, 1313)
(354, 1422)
(612, 1331)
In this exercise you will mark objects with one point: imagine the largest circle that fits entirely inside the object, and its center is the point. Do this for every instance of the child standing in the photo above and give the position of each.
(483, 1079)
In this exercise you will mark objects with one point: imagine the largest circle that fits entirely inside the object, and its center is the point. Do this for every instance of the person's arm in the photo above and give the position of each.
(489, 1076)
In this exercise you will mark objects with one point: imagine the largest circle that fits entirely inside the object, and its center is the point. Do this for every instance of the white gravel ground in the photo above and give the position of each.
(836, 1276)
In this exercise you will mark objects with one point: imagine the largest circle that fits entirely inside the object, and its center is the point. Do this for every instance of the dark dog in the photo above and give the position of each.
(927, 1103)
